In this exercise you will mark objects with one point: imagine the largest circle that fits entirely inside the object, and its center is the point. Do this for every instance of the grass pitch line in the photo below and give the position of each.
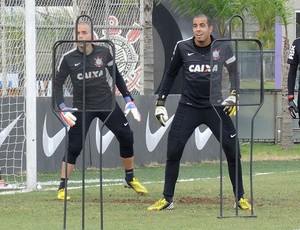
(117, 182)
(52, 185)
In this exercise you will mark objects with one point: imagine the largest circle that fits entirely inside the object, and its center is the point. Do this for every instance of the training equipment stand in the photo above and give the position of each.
(243, 49)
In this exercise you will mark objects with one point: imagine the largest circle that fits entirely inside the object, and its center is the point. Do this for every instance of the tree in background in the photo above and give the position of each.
(284, 14)
(148, 48)
(267, 13)
(218, 10)
(264, 13)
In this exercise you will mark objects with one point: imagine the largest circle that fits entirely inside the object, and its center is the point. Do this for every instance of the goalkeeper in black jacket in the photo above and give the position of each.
(294, 61)
(98, 97)
(195, 108)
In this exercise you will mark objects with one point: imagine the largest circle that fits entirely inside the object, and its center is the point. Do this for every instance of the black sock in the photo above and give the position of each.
(169, 199)
(62, 184)
(129, 175)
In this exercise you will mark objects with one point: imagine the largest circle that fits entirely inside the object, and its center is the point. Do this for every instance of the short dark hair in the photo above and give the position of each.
(84, 23)
(209, 21)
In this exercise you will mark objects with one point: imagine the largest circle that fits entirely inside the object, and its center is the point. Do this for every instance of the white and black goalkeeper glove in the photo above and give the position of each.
(130, 107)
(68, 118)
(292, 106)
(230, 104)
(161, 113)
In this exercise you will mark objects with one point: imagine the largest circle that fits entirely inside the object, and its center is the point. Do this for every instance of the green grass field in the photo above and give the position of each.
(268, 84)
(276, 178)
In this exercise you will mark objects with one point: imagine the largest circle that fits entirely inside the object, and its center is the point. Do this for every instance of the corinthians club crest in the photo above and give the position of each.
(126, 57)
(216, 54)
(98, 62)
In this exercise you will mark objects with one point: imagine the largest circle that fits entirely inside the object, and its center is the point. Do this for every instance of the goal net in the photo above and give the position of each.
(12, 122)
(116, 20)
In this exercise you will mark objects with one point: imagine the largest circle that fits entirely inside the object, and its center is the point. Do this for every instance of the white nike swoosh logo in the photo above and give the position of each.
(77, 64)
(190, 54)
(201, 138)
(106, 139)
(233, 135)
(5, 132)
(50, 144)
(152, 139)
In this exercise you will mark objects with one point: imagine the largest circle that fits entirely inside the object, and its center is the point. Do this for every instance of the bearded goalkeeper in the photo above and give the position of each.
(195, 108)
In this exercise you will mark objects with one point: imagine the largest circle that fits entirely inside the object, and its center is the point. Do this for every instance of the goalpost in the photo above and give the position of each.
(30, 41)
(28, 30)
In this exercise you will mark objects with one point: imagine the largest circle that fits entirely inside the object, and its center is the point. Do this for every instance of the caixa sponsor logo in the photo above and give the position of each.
(199, 68)
(202, 68)
(91, 74)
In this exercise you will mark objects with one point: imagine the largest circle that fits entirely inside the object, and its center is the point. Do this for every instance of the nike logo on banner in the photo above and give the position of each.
(50, 144)
(5, 132)
(201, 138)
(152, 139)
(106, 139)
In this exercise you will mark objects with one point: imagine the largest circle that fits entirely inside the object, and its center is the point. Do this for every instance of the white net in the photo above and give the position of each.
(12, 62)
(116, 20)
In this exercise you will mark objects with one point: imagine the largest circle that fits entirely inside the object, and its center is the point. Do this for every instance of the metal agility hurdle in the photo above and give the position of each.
(239, 45)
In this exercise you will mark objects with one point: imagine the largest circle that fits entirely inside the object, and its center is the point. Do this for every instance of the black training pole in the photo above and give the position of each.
(113, 104)
(237, 157)
(83, 135)
(83, 113)
(221, 166)
(252, 125)
(54, 110)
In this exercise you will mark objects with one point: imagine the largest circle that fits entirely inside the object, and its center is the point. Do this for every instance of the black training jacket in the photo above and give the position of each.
(98, 91)
(196, 63)
(294, 61)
